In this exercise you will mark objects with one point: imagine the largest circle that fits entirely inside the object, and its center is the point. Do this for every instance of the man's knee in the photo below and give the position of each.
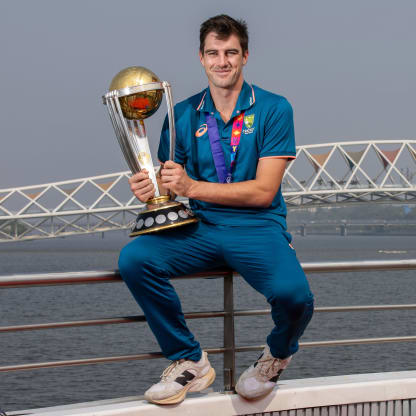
(295, 299)
(140, 261)
(131, 261)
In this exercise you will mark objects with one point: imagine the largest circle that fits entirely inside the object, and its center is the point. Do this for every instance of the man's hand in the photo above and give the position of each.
(141, 186)
(175, 178)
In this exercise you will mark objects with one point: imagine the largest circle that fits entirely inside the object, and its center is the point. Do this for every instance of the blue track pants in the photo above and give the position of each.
(261, 255)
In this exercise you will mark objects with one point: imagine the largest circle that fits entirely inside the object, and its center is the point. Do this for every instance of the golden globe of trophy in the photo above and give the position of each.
(136, 93)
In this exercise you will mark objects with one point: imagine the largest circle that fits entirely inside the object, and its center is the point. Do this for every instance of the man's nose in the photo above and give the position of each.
(222, 59)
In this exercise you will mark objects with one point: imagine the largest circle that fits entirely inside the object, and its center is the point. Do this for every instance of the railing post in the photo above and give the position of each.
(229, 336)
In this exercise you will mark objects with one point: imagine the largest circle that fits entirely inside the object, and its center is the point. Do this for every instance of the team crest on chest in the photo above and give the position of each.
(248, 123)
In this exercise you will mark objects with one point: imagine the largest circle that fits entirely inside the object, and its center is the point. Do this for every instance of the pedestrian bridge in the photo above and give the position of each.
(377, 171)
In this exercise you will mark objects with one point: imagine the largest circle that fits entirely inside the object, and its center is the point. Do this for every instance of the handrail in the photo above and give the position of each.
(75, 278)
(195, 315)
(108, 276)
(229, 349)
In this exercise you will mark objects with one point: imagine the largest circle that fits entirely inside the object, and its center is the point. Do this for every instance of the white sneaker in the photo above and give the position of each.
(179, 378)
(261, 377)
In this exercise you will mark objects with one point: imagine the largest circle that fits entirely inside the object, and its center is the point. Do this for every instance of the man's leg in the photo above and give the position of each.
(147, 263)
(266, 260)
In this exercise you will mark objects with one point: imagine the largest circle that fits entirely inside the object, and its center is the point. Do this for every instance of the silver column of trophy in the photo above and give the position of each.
(136, 93)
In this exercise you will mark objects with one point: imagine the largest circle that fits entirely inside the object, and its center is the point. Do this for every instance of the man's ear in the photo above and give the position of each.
(245, 57)
(201, 57)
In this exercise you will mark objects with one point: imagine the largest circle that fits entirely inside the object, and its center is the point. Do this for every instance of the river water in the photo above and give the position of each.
(47, 387)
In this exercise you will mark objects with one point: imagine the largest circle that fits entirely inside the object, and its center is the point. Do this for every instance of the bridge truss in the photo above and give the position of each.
(322, 174)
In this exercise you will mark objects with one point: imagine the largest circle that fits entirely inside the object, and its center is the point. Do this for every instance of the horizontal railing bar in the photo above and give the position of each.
(153, 355)
(69, 324)
(194, 315)
(69, 278)
(354, 308)
(87, 361)
(340, 342)
(357, 308)
(103, 321)
(359, 341)
(103, 276)
(355, 266)
(64, 278)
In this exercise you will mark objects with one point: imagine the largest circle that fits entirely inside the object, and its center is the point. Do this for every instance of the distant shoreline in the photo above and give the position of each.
(353, 229)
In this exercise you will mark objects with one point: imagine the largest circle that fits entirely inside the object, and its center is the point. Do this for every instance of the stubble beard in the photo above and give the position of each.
(226, 83)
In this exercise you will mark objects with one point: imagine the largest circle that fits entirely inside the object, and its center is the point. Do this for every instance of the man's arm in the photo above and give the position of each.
(258, 192)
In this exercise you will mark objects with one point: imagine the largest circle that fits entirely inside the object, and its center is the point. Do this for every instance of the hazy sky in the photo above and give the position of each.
(348, 68)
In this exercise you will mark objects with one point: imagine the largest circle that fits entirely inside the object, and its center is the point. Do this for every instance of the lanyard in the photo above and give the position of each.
(223, 172)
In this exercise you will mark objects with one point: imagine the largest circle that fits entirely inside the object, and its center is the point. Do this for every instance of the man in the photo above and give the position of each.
(233, 143)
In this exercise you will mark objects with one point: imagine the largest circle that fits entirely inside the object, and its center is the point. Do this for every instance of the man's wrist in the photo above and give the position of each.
(192, 190)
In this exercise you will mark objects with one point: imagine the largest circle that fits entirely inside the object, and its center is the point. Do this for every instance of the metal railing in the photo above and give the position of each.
(229, 348)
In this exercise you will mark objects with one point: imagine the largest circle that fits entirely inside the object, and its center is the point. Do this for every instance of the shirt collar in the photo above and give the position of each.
(245, 100)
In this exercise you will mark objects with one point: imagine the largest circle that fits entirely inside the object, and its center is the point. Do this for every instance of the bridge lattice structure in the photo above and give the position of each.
(377, 171)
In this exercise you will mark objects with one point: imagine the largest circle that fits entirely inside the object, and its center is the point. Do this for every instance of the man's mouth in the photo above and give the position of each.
(222, 71)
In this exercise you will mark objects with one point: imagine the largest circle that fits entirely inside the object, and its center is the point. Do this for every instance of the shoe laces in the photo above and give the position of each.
(269, 366)
(171, 370)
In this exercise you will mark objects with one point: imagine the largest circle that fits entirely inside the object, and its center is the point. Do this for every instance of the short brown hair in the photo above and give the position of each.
(224, 26)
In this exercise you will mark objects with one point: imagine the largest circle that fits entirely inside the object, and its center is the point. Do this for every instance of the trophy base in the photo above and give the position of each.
(162, 214)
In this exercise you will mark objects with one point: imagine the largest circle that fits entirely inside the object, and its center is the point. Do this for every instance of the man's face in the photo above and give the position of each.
(223, 60)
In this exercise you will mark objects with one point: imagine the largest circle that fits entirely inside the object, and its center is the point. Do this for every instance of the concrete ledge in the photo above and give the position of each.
(289, 395)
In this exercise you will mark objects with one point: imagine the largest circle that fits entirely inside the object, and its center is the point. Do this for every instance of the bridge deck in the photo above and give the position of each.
(376, 171)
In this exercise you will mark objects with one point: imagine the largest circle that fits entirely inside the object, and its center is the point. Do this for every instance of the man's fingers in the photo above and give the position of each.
(169, 178)
(169, 164)
(168, 185)
(140, 185)
(143, 196)
(137, 177)
(148, 195)
(143, 189)
(171, 172)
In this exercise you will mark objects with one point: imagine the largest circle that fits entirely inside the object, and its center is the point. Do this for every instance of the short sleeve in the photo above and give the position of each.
(279, 132)
(163, 152)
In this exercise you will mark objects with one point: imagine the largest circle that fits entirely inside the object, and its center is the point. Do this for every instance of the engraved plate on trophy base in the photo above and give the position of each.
(159, 215)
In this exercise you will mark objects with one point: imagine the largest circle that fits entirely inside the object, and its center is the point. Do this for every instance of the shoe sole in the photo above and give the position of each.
(198, 385)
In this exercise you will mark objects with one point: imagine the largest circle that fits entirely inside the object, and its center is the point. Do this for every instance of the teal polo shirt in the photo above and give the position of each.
(267, 133)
